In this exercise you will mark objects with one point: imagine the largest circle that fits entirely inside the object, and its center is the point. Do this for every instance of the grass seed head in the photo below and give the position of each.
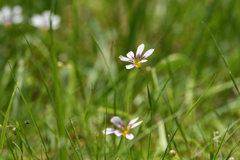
(216, 133)
(27, 122)
(14, 130)
(172, 153)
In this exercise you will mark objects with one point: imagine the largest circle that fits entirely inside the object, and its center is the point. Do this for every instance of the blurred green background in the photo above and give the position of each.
(81, 86)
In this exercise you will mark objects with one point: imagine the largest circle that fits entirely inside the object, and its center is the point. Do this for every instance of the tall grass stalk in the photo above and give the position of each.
(150, 104)
(57, 91)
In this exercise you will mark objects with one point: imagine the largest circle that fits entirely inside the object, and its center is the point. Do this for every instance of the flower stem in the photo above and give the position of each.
(150, 104)
(128, 150)
(119, 144)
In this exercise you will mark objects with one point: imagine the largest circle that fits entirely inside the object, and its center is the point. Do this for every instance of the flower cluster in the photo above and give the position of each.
(9, 16)
(125, 132)
(136, 62)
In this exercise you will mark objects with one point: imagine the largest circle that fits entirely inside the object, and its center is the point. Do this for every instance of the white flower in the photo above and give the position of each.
(125, 131)
(137, 62)
(43, 21)
(10, 16)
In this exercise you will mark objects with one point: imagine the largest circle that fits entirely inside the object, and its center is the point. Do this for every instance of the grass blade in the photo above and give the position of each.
(178, 124)
(104, 144)
(74, 48)
(72, 144)
(79, 146)
(220, 145)
(17, 147)
(27, 145)
(105, 60)
(232, 151)
(220, 51)
(6, 119)
(9, 144)
(150, 103)
(164, 86)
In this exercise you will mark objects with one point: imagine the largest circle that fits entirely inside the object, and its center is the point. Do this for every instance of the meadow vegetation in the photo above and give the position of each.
(68, 82)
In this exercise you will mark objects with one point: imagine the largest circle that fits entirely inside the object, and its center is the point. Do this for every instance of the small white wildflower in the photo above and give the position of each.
(43, 21)
(10, 16)
(125, 131)
(137, 62)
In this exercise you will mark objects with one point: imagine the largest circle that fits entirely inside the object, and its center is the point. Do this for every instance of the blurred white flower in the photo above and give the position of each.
(10, 16)
(125, 131)
(137, 62)
(43, 21)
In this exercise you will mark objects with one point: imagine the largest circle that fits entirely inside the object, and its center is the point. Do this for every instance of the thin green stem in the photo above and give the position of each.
(119, 144)
(150, 104)
(128, 150)
(79, 146)
(223, 58)
(105, 156)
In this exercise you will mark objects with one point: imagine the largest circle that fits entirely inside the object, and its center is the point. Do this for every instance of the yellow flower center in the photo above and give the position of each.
(8, 26)
(44, 30)
(125, 132)
(137, 63)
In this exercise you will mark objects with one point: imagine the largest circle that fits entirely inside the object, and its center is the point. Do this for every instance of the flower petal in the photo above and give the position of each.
(17, 19)
(136, 124)
(130, 55)
(55, 21)
(6, 12)
(108, 131)
(130, 66)
(46, 14)
(130, 136)
(148, 53)
(117, 122)
(118, 133)
(139, 50)
(17, 9)
(36, 21)
(142, 61)
(122, 58)
(132, 122)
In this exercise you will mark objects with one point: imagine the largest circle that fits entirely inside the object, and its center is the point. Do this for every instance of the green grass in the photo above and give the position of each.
(188, 89)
